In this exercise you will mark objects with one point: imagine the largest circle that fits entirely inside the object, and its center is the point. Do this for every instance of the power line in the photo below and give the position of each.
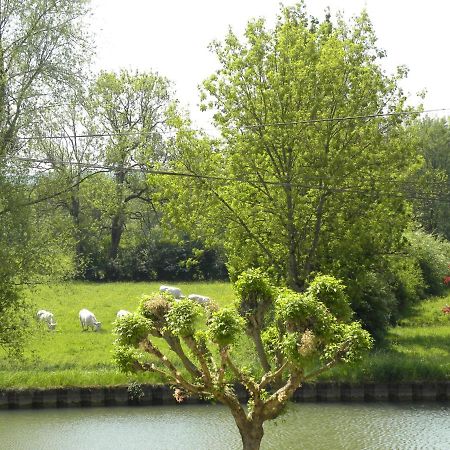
(262, 125)
(144, 169)
(141, 169)
(91, 135)
(346, 189)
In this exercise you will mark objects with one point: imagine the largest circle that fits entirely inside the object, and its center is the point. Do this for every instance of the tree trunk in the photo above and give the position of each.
(118, 219)
(292, 268)
(251, 435)
(317, 230)
(76, 220)
(117, 226)
(251, 430)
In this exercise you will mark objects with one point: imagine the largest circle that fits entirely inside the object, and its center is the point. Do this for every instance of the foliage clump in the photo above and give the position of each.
(224, 327)
(254, 292)
(132, 329)
(331, 292)
(182, 317)
(155, 307)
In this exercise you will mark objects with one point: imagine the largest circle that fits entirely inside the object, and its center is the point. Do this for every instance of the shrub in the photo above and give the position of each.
(407, 281)
(374, 302)
(433, 255)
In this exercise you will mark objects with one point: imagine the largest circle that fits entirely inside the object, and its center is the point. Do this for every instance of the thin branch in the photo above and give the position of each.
(271, 376)
(50, 196)
(247, 382)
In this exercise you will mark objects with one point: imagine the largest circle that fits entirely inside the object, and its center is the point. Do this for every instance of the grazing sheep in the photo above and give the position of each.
(87, 319)
(47, 317)
(122, 313)
(172, 291)
(199, 298)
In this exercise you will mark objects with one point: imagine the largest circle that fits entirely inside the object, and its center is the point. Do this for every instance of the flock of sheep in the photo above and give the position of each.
(88, 319)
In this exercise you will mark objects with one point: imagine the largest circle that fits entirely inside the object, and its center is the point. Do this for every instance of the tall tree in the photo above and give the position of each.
(430, 187)
(73, 157)
(133, 109)
(43, 47)
(42, 50)
(307, 175)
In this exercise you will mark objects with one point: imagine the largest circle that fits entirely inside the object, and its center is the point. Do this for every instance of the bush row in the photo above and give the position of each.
(381, 297)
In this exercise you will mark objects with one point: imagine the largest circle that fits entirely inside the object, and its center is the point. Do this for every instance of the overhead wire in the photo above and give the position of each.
(147, 170)
(349, 188)
(262, 125)
(345, 118)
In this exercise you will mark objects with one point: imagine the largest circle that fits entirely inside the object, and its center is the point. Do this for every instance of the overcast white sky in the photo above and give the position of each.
(171, 37)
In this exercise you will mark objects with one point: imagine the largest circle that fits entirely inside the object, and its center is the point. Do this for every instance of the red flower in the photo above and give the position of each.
(446, 309)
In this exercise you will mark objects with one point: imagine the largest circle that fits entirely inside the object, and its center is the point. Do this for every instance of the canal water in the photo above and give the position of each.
(211, 427)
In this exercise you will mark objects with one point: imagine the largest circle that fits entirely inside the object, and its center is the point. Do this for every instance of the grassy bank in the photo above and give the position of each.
(417, 349)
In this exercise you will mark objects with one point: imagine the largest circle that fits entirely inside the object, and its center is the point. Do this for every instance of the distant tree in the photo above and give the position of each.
(293, 184)
(43, 48)
(71, 159)
(134, 110)
(430, 187)
(295, 336)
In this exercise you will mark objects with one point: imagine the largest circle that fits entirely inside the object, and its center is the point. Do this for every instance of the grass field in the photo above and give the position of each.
(418, 349)
(70, 357)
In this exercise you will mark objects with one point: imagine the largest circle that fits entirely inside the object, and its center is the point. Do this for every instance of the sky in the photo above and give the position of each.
(171, 37)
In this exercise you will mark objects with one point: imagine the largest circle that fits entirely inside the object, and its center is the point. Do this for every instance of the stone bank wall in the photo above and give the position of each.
(162, 395)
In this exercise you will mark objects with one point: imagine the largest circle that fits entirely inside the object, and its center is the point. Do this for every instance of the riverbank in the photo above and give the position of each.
(149, 395)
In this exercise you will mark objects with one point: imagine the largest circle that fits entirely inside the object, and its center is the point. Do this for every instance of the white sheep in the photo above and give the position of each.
(122, 313)
(87, 319)
(47, 317)
(172, 291)
(199, 298)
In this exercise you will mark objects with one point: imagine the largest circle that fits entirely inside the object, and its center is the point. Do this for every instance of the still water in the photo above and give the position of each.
(211, 427)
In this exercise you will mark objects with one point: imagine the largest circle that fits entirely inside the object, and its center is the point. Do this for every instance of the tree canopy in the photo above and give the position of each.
(307, 174)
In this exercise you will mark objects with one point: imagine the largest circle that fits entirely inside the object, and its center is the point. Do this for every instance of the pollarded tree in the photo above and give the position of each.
(296, 336)
(307, 175)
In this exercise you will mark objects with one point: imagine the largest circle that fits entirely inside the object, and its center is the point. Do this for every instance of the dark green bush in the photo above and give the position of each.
(432, 253)
(156, 260)
(374, 302)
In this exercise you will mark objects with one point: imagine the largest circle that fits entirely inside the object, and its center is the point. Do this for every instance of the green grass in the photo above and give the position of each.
(418, 349)
(428, 313)
(70, 357)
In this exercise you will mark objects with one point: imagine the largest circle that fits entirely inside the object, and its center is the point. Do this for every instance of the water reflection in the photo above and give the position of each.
(195, 427)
